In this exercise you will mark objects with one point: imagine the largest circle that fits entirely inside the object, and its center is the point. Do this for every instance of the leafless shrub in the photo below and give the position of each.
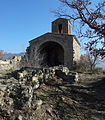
(34, 61)
(1, 54)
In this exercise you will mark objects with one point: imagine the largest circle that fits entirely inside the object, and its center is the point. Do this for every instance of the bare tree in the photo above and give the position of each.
(90, 17)
(88, 61)
(92, 59)
(1, 54)
(93, 54)
(35, 61)
(38, 57)
(83, 63)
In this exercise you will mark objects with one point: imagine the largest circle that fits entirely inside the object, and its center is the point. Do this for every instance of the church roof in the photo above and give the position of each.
(54, 35)
(65, 19)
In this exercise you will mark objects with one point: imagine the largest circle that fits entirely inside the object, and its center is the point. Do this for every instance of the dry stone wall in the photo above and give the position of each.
(11, 64)
(22, 93)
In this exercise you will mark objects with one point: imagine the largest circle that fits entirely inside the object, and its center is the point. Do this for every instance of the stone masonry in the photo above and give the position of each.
(59, 47)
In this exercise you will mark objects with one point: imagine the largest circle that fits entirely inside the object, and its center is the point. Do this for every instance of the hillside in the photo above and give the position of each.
(26, 95)
(10, 55)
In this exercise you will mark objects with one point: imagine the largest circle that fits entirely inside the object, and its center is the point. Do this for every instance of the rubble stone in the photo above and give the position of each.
(10, 65)
(19, 92)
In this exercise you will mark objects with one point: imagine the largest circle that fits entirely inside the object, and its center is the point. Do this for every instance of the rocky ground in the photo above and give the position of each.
(43, 94)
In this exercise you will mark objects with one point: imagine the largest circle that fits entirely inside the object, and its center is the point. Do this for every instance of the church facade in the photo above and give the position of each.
(58, 47)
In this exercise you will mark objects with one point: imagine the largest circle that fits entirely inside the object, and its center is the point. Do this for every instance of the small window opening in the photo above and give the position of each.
(60, 28)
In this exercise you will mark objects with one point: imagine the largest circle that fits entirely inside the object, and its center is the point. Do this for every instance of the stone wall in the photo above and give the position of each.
(65, 41)
(9, 65)
(27, 94)
(76, 50)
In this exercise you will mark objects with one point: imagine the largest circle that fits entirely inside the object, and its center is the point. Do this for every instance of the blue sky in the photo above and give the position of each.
(23, 20)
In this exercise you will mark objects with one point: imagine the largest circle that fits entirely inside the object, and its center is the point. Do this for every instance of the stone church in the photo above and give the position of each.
(58, 47)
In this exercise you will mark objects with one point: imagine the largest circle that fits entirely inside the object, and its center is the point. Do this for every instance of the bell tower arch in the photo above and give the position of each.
(61, 26)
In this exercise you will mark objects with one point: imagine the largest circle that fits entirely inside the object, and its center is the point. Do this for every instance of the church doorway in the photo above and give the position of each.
(53, 54)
